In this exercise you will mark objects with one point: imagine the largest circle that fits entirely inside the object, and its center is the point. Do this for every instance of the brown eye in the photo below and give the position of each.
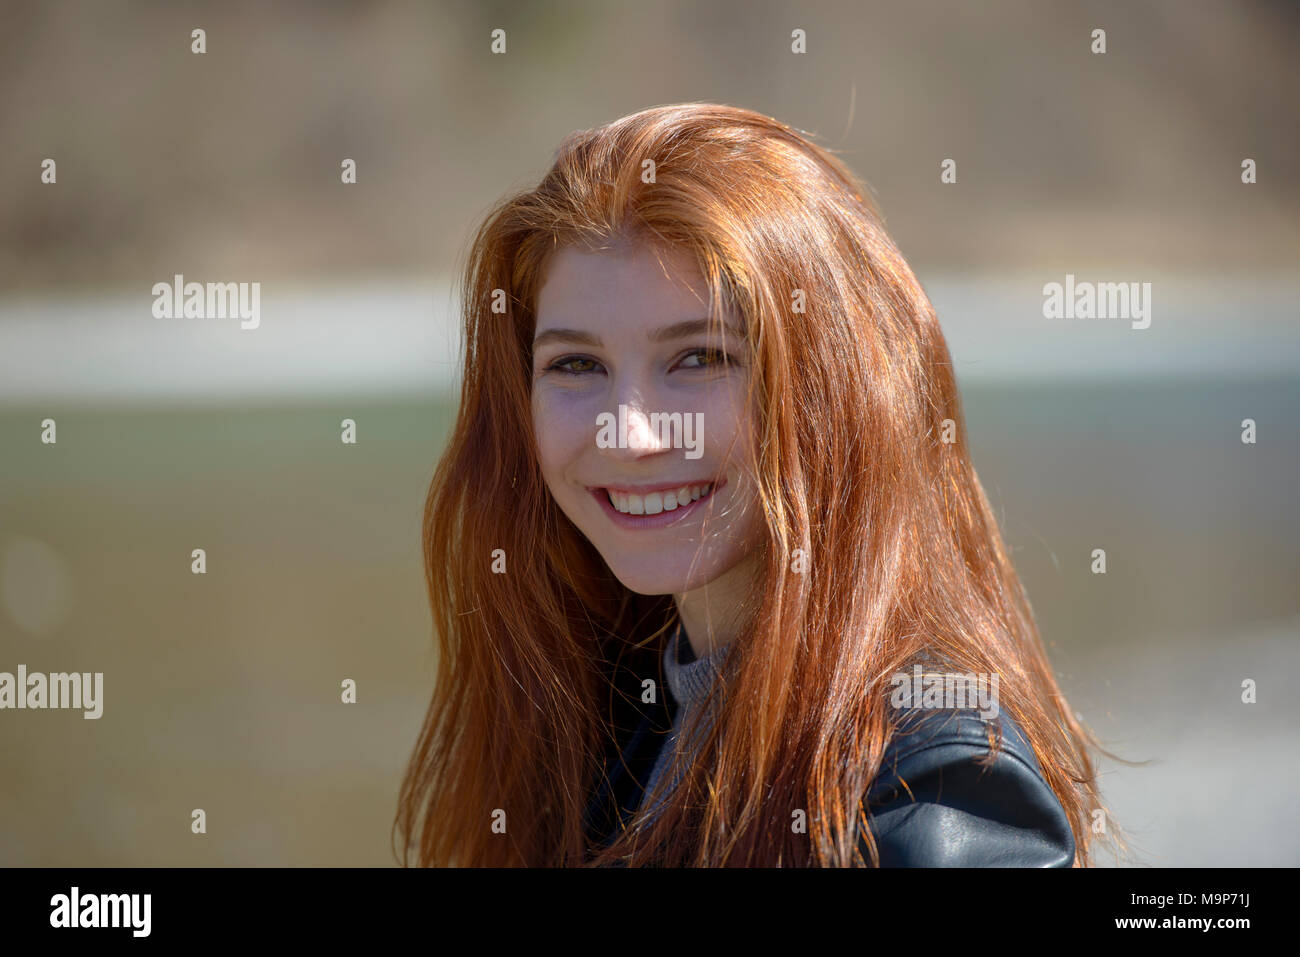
(573, 365)
(707, 358)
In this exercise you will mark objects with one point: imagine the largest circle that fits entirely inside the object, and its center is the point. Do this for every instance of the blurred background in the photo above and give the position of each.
(222, 691)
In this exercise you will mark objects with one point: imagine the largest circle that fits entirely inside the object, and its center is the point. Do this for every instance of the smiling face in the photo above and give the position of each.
(641, 417)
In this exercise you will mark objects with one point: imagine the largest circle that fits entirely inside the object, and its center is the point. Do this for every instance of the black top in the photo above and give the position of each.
(931, 805)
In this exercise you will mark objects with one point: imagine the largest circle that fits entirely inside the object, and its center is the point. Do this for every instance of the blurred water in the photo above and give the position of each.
(222, 690)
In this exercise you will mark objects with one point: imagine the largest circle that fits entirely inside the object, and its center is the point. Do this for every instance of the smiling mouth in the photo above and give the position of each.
(662, 500)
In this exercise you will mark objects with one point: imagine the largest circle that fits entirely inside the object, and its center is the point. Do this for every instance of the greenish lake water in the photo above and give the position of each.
(222, 690)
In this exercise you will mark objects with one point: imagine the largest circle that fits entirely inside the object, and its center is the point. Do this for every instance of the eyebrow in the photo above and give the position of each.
(678, 330)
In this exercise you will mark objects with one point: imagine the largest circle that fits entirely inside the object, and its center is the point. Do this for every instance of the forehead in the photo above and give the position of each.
(632, 287)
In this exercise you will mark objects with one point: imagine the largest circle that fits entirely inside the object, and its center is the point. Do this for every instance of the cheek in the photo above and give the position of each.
(732, 441)
(728, 427)
(560, 435)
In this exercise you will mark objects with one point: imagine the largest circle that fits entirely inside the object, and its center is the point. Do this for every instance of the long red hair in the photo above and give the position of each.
(881, 550)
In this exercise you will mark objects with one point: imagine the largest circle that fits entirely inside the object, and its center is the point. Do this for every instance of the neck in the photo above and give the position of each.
(714, 614)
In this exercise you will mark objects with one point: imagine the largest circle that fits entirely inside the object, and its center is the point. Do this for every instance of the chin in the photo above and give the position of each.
(666, 575)
(649, 581)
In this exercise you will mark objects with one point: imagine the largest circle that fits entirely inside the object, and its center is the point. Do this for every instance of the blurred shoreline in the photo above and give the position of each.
(402, 337)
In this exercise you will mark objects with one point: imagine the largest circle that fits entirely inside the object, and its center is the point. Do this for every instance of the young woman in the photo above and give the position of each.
(707, 529)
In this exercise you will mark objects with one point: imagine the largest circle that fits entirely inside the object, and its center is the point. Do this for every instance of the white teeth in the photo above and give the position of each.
(652, 503)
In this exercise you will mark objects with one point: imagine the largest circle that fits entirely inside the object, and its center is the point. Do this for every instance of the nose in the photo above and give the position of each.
(641, 434)
(641, 430)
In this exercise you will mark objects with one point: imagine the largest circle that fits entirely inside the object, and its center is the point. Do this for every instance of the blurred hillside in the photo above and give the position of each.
(228, 162)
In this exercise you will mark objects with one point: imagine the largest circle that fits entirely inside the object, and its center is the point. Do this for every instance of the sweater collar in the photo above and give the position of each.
(690, 679)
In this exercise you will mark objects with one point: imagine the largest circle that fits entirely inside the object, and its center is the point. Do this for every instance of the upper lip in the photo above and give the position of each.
(661, 487)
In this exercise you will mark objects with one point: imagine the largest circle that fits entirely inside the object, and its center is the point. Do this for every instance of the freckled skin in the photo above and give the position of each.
(622, 297)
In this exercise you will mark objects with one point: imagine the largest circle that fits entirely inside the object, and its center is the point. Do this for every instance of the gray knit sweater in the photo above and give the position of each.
(689, 680)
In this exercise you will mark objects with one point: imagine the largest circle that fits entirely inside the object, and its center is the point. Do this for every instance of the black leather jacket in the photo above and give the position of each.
(931, 805)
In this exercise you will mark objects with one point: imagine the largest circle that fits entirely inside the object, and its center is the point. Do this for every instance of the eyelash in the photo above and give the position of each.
(723, 359)
(558, 365)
